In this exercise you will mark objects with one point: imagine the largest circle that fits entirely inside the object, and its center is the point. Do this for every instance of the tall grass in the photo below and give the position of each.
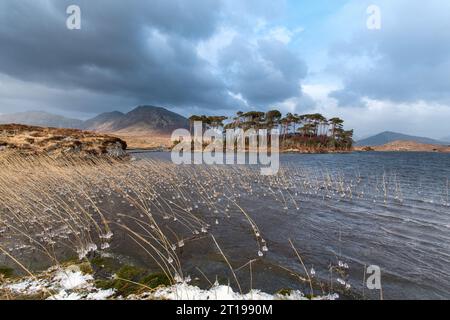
(52, 208)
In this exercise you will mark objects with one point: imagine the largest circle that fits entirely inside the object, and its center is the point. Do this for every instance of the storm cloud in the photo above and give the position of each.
(220, 56)
(141, 52)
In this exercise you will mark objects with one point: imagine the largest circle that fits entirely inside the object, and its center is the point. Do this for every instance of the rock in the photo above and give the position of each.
(116, 150)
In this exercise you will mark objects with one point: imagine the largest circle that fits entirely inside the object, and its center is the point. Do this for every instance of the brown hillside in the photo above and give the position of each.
(55, 142)
(406, 146)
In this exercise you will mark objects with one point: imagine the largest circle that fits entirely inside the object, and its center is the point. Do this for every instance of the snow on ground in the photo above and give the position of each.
(27, 287)
(60, 284)
(72, 284)
(184, 291)
(70, 280)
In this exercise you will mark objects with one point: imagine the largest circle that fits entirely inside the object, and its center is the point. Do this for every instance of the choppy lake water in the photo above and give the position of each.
(396, 217)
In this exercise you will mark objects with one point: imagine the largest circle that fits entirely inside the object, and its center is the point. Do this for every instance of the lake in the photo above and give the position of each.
(385, 209)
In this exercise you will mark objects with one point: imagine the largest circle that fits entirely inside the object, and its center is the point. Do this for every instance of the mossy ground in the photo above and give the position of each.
(6, 272)
(284, 292)
(126, 279)
(132, 280)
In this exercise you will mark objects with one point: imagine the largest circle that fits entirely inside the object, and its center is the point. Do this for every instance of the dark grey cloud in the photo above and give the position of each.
(136, 51)
(265, 72)
(348, 98)
(408, 60)
(144, 50)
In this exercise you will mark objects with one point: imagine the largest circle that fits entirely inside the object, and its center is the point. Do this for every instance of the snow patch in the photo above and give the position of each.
(184, 291)
(72, 284)
(61, 284)
(70, 280)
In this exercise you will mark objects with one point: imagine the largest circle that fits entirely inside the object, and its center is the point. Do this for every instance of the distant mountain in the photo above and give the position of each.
(446, 139)
(141, 120)
(103, 122)
(388, 137)
(41, 119)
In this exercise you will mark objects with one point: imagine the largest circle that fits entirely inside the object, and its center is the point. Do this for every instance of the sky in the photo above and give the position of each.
(221, 56)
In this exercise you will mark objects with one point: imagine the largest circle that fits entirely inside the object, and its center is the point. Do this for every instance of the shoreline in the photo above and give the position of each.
(292, 151)
(78, 281)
